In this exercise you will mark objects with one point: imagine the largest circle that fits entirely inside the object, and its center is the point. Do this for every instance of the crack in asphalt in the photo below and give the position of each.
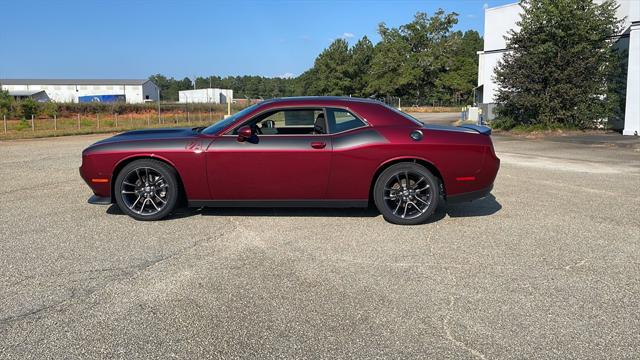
(127, 272)
(449, 334)
(579, 263)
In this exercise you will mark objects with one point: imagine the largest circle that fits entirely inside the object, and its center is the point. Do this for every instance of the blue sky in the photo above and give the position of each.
(137, 38)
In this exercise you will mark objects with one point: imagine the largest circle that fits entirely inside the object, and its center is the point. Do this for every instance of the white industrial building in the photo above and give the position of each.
(36, 95)
(70, 90)
(215, 96)
(498, 21)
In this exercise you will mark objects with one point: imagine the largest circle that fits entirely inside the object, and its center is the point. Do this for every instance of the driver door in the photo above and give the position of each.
(285, 159)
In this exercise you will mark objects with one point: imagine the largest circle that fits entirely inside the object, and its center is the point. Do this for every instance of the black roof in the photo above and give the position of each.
(323, 98)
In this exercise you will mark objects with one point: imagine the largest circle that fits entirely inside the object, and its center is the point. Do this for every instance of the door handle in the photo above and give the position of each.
(318, 144)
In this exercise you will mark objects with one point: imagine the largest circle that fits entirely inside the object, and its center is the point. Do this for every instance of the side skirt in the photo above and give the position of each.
(281, 203)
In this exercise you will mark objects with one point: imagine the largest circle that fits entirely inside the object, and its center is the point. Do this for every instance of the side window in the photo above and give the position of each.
(289, 122)
(342, 120)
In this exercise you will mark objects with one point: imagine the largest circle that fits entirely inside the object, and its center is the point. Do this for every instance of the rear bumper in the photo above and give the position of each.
(469, 196)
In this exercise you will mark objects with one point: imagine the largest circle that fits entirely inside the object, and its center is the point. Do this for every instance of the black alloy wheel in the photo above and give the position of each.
(146, 189)
(406, 193)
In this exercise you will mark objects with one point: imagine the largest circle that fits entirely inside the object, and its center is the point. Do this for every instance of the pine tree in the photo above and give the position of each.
(557, 68)
(361, 55)
(332, 70)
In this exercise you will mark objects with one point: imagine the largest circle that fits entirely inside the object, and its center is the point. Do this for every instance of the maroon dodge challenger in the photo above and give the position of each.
(296, 152)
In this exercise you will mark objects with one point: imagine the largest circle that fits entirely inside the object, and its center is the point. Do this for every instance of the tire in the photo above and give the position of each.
(146, 189)
(406, 194)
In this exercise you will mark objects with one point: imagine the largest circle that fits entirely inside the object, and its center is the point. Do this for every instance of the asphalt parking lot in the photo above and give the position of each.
(547, 267)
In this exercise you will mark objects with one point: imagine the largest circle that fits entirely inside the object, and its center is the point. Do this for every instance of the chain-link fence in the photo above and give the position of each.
(413, 105)
(165, 115)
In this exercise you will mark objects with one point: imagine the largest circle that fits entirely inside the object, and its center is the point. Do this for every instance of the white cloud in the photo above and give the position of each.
(471, 16)
(347, 35)
(286, 75)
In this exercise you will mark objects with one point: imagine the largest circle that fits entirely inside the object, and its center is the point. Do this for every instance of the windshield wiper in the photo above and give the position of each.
(198, 129)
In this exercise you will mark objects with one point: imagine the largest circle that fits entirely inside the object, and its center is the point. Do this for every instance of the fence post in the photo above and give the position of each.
(78, 121)
(130, 120)
(55, 122)
(116, 119)
(148, 120)
(5, 123)
(33, 123)
(98, 120)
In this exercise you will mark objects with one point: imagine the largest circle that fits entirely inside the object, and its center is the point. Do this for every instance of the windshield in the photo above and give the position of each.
(217, 127)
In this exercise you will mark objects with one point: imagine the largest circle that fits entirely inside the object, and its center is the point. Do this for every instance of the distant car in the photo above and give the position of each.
(295, 152)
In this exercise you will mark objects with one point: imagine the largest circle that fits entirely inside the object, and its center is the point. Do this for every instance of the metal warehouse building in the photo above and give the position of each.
(70, 90)
(498, 21)
(210, 95)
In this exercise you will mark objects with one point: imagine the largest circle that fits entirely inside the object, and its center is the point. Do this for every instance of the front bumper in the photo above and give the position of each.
(98, 181)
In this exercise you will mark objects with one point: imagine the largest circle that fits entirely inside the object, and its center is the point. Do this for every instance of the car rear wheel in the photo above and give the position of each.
(406, 194)
(146, 189)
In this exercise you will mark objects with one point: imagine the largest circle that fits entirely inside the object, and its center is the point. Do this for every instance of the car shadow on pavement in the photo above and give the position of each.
(483, 207)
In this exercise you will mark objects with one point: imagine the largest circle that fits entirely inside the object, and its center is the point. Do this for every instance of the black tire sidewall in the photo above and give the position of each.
(387, 174)
(166, 171)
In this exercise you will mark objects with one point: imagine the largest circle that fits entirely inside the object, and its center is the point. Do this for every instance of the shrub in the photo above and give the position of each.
(49, 109)
(28, 108)
(23, 124)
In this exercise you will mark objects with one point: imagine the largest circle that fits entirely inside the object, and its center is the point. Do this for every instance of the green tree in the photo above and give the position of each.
(556, 71)
(169, 87)
(361, 56)
(163, 83)
(455, 85)
(28, 108)
(303, 84)
(391, 71)
(6, 102)
(409, 59)
(332, 70)
(423, 60)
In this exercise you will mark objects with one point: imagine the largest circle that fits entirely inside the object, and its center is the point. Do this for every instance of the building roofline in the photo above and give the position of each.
(25, 92)
(74, 81)
(501, 6)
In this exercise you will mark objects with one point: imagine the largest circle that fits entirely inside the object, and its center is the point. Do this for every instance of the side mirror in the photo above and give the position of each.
(244, 133)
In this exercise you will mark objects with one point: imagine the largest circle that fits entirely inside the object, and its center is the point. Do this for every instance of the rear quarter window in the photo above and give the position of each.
(342, 120)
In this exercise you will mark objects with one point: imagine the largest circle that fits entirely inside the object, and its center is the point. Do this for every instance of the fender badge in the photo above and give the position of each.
(195, 146)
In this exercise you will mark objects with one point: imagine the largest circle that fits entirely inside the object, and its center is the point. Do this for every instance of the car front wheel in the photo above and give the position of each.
(146, 189)
(406, 193)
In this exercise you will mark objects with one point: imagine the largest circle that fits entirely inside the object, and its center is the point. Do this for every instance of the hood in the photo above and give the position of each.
(150, 134)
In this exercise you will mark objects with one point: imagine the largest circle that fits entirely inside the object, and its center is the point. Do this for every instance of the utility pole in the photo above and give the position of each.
(158, 105)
